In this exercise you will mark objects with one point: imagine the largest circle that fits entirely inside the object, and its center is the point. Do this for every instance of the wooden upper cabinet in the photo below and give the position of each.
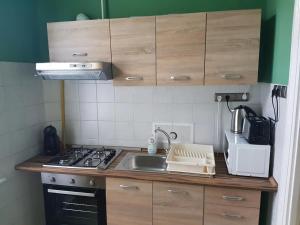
(180, 49)
(128, 202)
(177, 204)
(133, 50)
(232, 47)
(79, 41)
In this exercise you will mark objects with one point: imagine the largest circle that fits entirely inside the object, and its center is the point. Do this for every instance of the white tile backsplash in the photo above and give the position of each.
(106, 111)
(72, 111)
(105, 93)
(71, 91)
(89, 132)
(87, 92)
(124, 94)
(22, 118)
(125, 112)
(143, 113)
(88, 111)
(182, 113)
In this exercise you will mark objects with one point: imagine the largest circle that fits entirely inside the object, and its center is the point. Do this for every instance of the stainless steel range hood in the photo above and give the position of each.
(74, 71)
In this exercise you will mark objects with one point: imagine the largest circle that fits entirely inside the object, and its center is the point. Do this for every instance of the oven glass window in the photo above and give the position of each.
(74, 206)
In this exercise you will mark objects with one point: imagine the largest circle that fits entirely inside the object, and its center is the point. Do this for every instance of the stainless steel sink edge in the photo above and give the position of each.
(143, 162)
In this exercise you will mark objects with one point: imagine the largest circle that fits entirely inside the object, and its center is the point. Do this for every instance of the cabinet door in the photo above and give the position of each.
(79, 41)
(177, 204)
(180, 49)
(128, 202)
(232, 47)
(133, 50)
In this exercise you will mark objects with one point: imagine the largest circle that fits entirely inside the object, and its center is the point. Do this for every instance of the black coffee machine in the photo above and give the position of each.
(51, 141)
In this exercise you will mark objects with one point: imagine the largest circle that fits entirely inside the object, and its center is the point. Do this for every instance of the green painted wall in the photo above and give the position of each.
(23, 35)
(18, 30)
(276, 41)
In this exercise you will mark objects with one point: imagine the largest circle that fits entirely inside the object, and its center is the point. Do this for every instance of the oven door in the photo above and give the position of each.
(74, 206)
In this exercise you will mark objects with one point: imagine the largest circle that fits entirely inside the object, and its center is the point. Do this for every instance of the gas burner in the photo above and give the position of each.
(85, 157)
(64, 162)
(98, 154)
(88, 162)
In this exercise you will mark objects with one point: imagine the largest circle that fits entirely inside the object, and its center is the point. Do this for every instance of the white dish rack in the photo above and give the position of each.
(191, 158)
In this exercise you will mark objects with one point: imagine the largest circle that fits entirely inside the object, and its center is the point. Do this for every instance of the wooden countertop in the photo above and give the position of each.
(221, 179)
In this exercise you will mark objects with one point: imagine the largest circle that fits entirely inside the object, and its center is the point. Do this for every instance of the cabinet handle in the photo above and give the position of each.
(232, 216)
(179, 78)
(231, 77)
(137, 78)
(80, 54)
(177, 192)
(126, 187)
(233, 198)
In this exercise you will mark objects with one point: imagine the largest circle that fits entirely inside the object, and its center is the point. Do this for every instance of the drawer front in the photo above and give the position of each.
(177, 204)
(230, 215)
(128, 202)
(232, 197)
(79, 41)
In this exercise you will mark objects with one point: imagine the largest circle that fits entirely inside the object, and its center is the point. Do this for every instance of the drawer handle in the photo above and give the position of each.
(179, 78)
(137, 78)
(80, 54)
(233, 198)
(232, 216)
(231, 77)
(127, 187)
(177, 192)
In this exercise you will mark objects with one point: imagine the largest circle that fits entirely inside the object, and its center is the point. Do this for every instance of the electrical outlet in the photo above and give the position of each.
(233, 97)
(280, 90)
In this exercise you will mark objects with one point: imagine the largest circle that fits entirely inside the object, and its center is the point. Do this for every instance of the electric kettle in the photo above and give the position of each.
(237, 117)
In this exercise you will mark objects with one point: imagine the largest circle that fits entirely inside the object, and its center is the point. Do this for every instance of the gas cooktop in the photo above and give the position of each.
(85, 157)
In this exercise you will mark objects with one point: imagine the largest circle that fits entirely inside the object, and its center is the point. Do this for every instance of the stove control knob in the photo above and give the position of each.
(72, 181)
(52, 179)
(92, 182)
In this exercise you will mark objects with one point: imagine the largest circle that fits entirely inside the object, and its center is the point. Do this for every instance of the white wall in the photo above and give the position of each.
(21, 121)
(99, 113)
(279, 148)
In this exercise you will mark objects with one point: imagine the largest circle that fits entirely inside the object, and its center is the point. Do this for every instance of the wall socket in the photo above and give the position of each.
(281, 90)
(233, 97)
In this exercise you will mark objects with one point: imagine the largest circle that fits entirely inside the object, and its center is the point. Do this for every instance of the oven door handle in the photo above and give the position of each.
(75, 193)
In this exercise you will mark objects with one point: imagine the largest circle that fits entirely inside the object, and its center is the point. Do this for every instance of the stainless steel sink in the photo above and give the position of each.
(142, 162)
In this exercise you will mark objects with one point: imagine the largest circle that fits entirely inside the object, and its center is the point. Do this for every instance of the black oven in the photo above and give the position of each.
(74, 200)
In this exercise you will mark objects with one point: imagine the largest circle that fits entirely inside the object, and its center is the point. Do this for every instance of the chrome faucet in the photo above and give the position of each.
(158, 129)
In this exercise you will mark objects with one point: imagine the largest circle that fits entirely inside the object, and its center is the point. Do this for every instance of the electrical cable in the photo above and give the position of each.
(227, 102)
(219, 98)
(277, 108)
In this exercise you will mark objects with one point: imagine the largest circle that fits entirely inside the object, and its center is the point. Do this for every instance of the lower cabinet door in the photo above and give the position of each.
(128, 202)
(230, 215)
(177, 204)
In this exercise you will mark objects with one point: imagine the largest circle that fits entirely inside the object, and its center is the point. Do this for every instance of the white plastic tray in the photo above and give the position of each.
(191, 158)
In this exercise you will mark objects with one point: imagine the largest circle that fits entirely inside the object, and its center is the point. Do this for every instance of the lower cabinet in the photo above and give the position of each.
(136, 202)
(177, 204)
(229, 206)
(128, 202)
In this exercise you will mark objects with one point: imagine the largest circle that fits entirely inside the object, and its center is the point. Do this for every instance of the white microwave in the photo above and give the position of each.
(245, 159)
